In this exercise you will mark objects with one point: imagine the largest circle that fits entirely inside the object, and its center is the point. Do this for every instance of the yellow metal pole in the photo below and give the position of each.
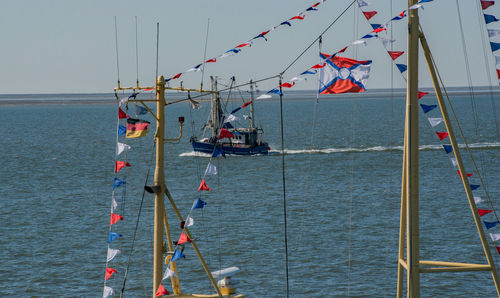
(159, 180)
(186, 230)
(412, 144)
(458, 157)
(402, 226)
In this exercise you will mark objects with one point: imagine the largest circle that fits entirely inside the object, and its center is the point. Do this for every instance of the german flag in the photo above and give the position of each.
(137, 128)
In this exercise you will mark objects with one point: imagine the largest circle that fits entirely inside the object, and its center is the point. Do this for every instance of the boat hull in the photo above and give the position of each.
(232, 149)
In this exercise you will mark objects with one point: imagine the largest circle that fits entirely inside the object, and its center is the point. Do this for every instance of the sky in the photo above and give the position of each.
(68, 46)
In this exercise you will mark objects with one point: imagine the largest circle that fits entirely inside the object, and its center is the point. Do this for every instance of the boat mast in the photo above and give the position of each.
(252, 122)
(411, 151)
(214, 107)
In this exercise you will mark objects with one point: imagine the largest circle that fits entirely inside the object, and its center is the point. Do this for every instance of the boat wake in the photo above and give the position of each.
(361, 149)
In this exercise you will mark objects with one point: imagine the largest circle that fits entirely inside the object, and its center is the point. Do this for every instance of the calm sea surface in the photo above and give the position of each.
(343, 178)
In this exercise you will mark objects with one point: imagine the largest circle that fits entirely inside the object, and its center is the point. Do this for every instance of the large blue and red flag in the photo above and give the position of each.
(343, 75)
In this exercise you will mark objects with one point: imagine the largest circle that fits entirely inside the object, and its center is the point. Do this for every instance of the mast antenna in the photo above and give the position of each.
(157, 46)
(136, 54)
(204, 55)
(116, 47)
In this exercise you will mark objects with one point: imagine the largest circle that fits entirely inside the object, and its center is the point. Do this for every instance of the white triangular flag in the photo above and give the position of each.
(123, 101)
(231, 118)
(493, 32)
(454, 161)
(120, 147)
(362, 3)
(246, 116)
(108, 291)
(386, 41)
(359, 42)
(112, 254)
(168, 273)
(478, 200)
(416, 6)
(264, 96)
(497, 60)
(435, 121)
(189, 221)
(194, 104)
(295, 79)
(211, 169)
(495, 237)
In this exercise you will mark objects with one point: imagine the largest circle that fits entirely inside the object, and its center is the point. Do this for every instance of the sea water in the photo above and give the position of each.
(343, 157)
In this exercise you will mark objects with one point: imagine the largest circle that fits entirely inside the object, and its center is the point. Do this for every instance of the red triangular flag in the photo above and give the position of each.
(369, 14)
(460, 174)
(483, 211)
(183, 239)
(395, 54)
(203, 186)
(114, 218)
(177, 76)
(421, 94)
(161, 291)
(319, 65)
(379, 29)
(498, 249)
(486, 4)
(211, 60)
(287, 85)
(299, 17)
(246, 104)
(343, 50)
(122, 114)
(120, 165)
(224, 133)
(498, 74)
(441, 135)
(109, 272)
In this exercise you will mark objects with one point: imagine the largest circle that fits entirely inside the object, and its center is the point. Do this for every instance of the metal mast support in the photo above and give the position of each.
(214, 107)
(409, 221)
(252, 121)
(159, 180)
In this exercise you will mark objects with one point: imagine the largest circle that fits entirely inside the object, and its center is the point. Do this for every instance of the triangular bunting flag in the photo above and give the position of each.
(435, 121)
(177, 255)
(224, 133)
(113, 236)
(454, 161)
(120, 147)
(369, 14)
(395, 54)
(317, 66)
(231, 118)
(198, 203)
(203, 186)
(112, 253)
(287, 85)
(109, 272)
(441, 135)
(448, 148)
(183, 239)
(362, 3)
(161, 291)
(478, 200)
(246, 104)
(474, 186)
(421, 94)
(120, 165)
(493, 33)
(428, 108)
(211, 169)
(460, 174)
(117, 183)
(114, 218)
(498, 249)
(122, 114)
(498, 74)
(495, 236)
(264, 96)
(218, 151)
(114, 205)
(495, 46)
(108, 291)
(140, 110)
(490, 224)
(488, 18)
(121, 130)
(483, 211)
(168, 273)
(189, 221)
(402, 67)
(485, 4)
(386, 41)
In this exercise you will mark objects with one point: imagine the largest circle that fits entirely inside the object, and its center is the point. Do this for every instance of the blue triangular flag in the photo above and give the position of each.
(402, 67)
(177, 255)
(375, 26)
(423, 1)
(428, 108)
(490, 18)
(134, 95)
(275, 91)
(495, 46)
(396, 18)
(117, 182)
(236, 110)
(448, 148)
(218, 151)
(286, 23)
(121, 130)
(311, 8)
(113, 236)
(490, 224)
(233, 51)
(309, 72)
(369, 36)
(474, 186)
(198, 203)
(140, 110)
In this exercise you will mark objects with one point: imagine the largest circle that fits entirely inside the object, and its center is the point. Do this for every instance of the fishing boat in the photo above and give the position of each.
(234, 140)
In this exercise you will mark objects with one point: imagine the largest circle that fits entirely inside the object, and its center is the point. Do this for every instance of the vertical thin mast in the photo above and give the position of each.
(215, 107)
(252, 122)
(411, 147)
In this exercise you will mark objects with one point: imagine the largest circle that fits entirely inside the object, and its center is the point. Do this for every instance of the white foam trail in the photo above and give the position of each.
(351, 150)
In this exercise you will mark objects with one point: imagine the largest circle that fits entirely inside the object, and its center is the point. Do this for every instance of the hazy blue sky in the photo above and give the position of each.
(65, 46)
